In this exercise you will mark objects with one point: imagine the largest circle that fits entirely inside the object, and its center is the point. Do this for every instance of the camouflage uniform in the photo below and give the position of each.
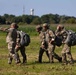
(66, 48)
(11, 41)
(50, 37)
(21, 48)
(43, 47)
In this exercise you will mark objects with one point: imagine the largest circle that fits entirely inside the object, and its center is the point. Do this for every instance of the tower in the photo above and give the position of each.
(31, 11)
(23, 10)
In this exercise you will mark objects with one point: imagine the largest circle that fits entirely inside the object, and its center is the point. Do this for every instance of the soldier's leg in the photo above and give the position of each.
(50, 52)
(41, 51)
(57, 57)
(11, 47)
(17, 55)
(69, 55)
(22, 50)
(47, 54)
(9, 59)
(51, 60)
(54, 54)
(64, 59)
(10, 53)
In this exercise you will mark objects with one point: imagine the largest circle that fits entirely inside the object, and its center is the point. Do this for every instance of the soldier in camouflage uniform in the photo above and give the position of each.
(61, 31)
(50, 38)
(43, 47)
(11, 41)
(21, 48)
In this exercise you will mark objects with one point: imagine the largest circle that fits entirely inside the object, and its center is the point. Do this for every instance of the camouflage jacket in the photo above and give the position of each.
(11, 34)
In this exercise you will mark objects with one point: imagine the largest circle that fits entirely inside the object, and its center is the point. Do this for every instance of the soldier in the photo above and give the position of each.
(61, 31)
(11, 41)
(50, 39)
(43, 47)
(21, 48)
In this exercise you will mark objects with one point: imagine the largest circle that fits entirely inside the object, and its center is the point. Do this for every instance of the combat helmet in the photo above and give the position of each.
(38, 28)
(46, 25)
(60, 27)
(15, 25)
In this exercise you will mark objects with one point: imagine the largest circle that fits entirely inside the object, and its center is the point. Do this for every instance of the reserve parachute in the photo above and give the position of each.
(24, 38)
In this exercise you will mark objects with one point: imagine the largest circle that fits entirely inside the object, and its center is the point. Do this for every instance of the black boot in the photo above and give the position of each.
(60, 59)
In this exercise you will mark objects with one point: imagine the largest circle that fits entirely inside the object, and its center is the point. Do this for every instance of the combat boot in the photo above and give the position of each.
(60, 59)
(24, 60)
(18, 61)
(10, 60)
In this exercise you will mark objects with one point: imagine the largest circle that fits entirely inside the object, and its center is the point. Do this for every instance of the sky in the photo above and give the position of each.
(41, 7)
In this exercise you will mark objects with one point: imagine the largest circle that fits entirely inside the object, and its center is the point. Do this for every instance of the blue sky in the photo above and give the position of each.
(41, 7)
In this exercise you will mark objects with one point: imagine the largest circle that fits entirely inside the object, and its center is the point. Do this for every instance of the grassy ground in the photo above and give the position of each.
(32, 67)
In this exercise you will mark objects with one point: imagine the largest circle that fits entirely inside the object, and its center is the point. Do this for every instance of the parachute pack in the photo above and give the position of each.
(71, 38)
(24, 38)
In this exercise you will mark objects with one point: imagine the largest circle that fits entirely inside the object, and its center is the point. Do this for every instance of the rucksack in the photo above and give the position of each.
(58, 41)
(24, 38)
(71, 38)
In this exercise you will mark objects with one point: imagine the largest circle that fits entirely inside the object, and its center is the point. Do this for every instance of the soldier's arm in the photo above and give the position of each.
(63, 31)
(18, 38)
(4, 29)
(57, 33)
(51, 34)
(52, 37)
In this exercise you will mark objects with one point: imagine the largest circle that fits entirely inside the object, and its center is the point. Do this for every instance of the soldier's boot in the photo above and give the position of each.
(10, 60)
(70, 57)
(18, 61)
(57, 57)
(60, 59)
(17, 58)
(40, 60)
(24, 61)
(64, 60)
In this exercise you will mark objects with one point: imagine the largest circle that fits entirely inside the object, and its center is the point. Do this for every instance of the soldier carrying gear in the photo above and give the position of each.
(43, 47)
(49, 37)
(11, 41)
(66, 49)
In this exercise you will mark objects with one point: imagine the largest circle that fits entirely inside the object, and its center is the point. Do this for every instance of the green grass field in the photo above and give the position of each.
(32, 67)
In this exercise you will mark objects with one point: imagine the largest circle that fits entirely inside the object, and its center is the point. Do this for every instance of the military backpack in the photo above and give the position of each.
(24, 38)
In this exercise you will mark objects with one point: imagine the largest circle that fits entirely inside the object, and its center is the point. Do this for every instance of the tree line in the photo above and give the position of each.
(33, 19)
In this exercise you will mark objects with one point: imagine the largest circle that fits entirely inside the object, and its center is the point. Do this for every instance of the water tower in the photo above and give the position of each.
(32, 11)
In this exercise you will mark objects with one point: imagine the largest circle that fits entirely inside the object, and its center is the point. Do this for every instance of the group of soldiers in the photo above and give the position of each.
(13, 41)
(48, 39)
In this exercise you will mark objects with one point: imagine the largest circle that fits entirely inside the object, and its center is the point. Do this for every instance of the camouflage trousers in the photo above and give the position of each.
(52, 54)
(66, 52)
(22, 51)
(41, 51)
(11, 55)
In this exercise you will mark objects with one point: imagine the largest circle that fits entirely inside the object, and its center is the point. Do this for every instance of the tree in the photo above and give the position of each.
(71, 21)
(45, 19)
(36, 21)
